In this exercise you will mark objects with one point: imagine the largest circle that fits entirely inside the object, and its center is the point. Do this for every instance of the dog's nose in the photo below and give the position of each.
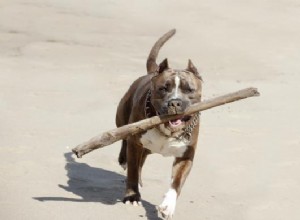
(175, 103)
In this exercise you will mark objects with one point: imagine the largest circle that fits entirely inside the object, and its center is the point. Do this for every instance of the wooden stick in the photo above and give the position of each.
(117, 134)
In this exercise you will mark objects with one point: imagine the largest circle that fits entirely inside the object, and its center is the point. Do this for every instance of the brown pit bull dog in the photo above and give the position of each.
(163, 91)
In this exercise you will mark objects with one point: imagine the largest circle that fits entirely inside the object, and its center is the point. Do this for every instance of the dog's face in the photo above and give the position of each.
(172, 91)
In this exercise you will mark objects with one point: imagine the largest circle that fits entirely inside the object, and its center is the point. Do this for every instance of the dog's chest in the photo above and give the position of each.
(166, 146)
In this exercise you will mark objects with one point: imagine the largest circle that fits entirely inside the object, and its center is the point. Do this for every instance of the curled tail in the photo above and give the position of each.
(151, 61)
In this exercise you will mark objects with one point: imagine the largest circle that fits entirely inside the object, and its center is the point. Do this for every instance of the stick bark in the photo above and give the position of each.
(117, 134)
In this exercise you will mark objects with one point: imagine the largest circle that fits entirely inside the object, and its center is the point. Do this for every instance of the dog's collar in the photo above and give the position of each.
(187, 131)
(148, 106)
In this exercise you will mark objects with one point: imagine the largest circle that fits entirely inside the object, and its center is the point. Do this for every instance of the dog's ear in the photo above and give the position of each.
(191, 68)
(163, 66)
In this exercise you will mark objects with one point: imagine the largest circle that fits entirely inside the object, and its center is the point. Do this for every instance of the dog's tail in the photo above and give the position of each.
(151, 61)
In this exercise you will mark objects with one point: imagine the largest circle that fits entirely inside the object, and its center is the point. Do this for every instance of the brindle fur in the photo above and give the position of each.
(131, 109)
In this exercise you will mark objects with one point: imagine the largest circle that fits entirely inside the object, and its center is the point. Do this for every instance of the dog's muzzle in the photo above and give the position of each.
(175, 106)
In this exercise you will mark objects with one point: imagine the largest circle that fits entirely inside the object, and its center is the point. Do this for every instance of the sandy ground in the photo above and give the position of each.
(64, 65)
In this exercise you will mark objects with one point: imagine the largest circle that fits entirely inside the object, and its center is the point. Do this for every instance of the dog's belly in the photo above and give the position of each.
(158, 143)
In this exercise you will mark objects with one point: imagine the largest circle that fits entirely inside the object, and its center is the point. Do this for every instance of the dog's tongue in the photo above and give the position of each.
(175, 123)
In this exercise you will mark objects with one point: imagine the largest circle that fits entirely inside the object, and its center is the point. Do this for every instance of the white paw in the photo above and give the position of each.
(167, 207)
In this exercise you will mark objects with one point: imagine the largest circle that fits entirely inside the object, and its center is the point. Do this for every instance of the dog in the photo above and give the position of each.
(163, 91)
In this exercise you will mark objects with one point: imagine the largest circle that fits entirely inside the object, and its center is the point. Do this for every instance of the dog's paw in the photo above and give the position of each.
(123, 165)
(133, 199)
(167, 207)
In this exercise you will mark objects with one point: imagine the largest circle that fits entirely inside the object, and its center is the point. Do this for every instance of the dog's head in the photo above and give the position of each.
(172, 91)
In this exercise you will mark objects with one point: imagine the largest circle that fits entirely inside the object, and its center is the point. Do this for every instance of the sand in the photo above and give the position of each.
(64, 65)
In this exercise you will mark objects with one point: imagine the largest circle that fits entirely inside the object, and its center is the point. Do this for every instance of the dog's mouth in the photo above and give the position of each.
(180, 121)
(176, 124)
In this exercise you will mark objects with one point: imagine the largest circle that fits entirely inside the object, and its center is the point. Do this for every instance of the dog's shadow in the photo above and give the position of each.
(95, 185)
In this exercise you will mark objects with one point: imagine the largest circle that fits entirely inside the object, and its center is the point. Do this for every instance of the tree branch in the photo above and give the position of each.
(117, 134)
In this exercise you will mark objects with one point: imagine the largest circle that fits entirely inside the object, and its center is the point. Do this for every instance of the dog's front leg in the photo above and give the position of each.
(134, 153)
(181, 169)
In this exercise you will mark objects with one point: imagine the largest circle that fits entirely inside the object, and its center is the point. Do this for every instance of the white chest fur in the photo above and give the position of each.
(166, 146)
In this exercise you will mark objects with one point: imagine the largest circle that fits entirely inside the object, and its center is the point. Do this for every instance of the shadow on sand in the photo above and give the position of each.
(95, 185)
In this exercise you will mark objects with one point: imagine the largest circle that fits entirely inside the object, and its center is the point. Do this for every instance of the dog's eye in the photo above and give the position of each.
(163, 89)
(188, 90)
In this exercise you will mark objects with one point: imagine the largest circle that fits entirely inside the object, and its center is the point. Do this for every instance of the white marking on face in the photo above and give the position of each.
(177, 84)
(167, 207)
(166, 146)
